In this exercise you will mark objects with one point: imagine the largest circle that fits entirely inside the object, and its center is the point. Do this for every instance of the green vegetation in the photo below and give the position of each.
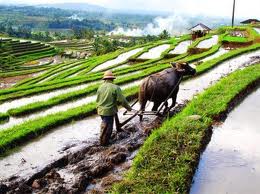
(235, 39)
(3, 117)
(249, 32)
(167, 161)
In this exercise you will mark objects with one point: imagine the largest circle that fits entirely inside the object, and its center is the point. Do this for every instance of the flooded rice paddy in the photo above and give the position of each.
(209, 42)
(220, 52)
(121, 58)
(181, 47)
(155, 52)
(231, 162)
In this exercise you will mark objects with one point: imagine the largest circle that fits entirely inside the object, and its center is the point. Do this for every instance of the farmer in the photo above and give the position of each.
(109, 96)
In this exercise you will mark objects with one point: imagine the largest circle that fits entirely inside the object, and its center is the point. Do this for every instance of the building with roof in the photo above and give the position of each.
(199, 30)
(250, 21)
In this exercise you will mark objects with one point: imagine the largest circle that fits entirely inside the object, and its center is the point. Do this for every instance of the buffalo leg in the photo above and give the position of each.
(173, 101)
(142, 108)
(166, 107)
(155, 106)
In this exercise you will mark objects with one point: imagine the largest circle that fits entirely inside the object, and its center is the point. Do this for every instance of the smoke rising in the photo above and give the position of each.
(174, 24)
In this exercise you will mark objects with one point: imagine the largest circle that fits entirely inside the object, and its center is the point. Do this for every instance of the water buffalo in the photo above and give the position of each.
(157, 87)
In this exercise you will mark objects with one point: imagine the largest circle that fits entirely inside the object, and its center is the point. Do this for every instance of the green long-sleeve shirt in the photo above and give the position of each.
(109, 96)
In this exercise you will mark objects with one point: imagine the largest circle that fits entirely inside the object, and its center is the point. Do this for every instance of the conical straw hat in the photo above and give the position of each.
(109, 75)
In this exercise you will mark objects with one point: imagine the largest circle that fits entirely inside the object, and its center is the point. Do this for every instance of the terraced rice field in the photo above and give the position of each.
(52, 114)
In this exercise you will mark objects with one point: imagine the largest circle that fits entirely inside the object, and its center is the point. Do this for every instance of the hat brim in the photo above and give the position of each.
(109, 77)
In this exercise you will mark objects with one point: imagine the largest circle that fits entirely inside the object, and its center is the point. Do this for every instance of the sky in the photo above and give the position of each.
(244, 8)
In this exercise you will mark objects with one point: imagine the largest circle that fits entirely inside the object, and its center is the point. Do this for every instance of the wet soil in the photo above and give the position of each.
(235, 45)
(8, 82)
(91, 169)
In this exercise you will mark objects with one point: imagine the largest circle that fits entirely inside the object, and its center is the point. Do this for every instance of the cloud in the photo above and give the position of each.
(174, 24)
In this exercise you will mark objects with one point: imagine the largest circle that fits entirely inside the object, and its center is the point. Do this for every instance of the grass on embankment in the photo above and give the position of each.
(167, 161)
(208, 64)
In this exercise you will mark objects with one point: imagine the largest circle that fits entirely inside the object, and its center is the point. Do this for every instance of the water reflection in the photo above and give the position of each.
(231, 162)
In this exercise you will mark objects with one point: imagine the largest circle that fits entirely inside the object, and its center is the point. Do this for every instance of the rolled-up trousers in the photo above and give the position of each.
(107, 128)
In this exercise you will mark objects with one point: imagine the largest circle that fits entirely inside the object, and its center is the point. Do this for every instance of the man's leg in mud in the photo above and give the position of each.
(106, 129)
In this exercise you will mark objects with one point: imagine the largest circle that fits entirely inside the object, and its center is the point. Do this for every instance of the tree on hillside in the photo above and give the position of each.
(164, 35)
(80, 33)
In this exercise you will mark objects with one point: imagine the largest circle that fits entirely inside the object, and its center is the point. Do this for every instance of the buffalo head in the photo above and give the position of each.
(183, 68)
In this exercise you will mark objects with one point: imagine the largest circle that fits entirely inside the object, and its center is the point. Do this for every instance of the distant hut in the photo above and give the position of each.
(250, 21)
(199, 30)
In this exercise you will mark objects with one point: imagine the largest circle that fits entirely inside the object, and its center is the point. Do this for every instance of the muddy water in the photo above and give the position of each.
(209, 42)
(46, 152)
(51, 146)
(155, 52)
(121, 58)
(181, 48)
(45, 149)
(231, 161)
(258, 30)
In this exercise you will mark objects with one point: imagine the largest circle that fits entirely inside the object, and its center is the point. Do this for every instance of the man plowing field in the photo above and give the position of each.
(109, 96)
